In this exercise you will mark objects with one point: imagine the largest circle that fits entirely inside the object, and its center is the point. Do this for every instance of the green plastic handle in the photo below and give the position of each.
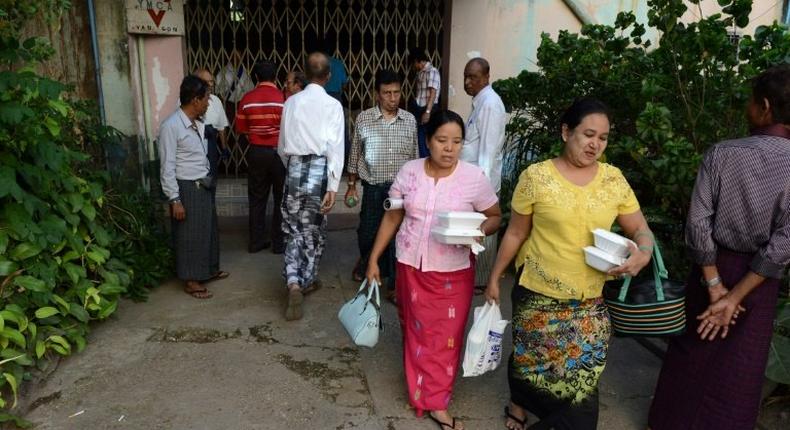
(659, 273)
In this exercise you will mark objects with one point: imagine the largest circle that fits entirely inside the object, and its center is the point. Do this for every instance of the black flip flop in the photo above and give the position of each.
(521, 422)
(442, 425)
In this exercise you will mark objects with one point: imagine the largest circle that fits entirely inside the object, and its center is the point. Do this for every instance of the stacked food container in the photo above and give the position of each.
(458, 228)
(610, 250)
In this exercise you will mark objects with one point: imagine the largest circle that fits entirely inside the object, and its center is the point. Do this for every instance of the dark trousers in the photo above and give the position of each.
(370, 216)
(266, 173)
(422, 141)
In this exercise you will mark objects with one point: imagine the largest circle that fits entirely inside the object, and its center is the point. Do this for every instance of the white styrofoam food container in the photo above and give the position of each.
(460, 220)
(601, 260)
(456, 236)
(611, 243)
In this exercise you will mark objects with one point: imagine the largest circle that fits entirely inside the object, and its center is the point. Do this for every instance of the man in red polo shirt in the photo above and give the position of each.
(258, 117)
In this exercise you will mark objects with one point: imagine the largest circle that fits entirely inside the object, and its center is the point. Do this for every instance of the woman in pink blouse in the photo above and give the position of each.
(434, 281)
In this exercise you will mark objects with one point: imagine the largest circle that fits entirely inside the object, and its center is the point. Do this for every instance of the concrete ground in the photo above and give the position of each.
(233, 362)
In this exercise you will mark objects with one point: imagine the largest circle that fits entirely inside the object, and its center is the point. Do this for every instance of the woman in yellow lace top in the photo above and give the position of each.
(560, 323)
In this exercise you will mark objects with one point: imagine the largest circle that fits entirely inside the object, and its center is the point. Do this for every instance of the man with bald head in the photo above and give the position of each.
(485, 136)
(216, 123)
(311, 145)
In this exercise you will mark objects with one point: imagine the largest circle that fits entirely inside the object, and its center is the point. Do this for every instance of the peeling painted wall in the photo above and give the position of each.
(164, 70)
(115, 71)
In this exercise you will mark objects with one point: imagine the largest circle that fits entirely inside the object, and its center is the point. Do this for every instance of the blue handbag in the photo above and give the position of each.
(361, 316)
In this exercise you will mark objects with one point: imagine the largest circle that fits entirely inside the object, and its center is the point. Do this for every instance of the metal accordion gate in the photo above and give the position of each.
(365, 34)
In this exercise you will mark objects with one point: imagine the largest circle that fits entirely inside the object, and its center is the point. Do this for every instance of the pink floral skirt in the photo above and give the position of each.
(432, 307)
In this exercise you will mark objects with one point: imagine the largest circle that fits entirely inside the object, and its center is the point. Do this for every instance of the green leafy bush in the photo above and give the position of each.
(670, 102)
(69, 247)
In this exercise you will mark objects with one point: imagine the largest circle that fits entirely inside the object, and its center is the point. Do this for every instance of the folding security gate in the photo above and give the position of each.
(367, 35)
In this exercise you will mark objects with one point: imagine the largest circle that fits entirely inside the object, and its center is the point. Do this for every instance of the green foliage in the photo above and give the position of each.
(141, 242)
(669, 102)
(69, 246)
(778, 368)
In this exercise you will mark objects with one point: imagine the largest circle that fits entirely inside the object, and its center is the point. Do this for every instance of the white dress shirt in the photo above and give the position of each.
(182, 152)
(313, 124)
(485, 135)
(232, 83)
(215, 114)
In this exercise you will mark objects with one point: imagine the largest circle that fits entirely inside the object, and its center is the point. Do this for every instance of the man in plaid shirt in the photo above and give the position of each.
(427, 96)
(385, 137)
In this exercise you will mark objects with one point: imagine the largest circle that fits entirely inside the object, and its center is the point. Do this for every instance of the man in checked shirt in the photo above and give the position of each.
(385, 137)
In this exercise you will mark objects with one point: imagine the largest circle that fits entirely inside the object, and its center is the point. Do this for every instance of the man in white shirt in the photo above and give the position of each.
(311, 145)
(233, 82)
(216, 118)
(185, 179)
(485, 137)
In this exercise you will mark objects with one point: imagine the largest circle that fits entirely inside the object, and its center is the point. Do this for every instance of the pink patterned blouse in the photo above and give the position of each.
(466, 189)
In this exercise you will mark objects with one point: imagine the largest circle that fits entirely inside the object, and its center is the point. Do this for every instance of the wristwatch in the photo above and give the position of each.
(712, 282)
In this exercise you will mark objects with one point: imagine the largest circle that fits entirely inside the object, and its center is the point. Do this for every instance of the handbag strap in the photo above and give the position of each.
(659, 274)
(374, 287)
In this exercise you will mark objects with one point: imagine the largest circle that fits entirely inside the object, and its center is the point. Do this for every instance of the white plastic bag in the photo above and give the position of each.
(484, 342)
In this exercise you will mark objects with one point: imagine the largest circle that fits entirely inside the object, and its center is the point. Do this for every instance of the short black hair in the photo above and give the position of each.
(774, 85)
(417, 54)
(300, 78)
(264, 71)
(192, 88)
(386, 76)
(582, 107)
(441, 118)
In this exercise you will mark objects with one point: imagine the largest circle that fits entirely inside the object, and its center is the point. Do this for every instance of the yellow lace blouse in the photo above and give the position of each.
(563, 217)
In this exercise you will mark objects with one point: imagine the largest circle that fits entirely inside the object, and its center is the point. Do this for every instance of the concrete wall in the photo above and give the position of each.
(764, 12)
(507, 32)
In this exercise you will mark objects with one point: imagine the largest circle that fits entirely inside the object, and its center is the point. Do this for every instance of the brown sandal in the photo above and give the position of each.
(217, 276)
(199, 292)
(520, 422)
(313, 287)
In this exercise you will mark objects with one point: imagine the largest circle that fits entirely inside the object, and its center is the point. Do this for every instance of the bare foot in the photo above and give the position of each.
(516, 417)
(445, 420)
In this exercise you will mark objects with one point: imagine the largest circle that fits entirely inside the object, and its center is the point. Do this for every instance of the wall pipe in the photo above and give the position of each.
(145, 100)
(97, 63)
(580, 11)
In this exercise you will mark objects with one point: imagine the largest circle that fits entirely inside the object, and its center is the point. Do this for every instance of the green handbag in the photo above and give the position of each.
(650, 307)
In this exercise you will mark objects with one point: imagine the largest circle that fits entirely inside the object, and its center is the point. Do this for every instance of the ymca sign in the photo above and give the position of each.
(164, 17)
